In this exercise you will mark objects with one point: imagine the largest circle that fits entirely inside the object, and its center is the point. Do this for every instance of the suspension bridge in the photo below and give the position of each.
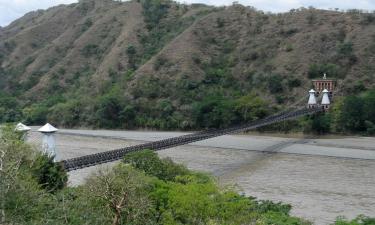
(114, 155)
(323, 86)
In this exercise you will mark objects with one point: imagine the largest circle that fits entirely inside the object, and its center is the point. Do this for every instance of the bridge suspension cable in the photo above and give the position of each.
(114, 155)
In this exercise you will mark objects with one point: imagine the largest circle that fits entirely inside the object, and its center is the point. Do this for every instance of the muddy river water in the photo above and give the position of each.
(320, 178)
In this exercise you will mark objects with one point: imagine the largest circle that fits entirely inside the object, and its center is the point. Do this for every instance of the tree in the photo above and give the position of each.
(108, 110)
(123, 192)
(352, 118)
(214, 111)
(15, 158)
(251, 107)
(35, 114)
(321, 124)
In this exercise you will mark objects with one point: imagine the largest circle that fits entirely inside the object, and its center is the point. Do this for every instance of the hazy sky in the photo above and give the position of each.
(13, 9)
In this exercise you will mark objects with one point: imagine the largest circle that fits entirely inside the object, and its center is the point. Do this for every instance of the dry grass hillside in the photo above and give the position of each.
(155, 63)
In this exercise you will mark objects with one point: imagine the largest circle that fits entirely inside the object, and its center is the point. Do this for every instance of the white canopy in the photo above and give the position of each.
(22, 127)
(48, 128)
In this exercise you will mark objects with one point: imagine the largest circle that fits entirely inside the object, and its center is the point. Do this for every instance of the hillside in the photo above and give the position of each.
(160, 64)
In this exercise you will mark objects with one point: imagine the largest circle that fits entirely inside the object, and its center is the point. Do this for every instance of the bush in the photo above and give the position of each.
(91, 50)
(131, 50)
(360, 220)
(159, 62)
(294, 82)
(275, 84)
(345, 49)
(86, 25)
(368, 18)
(149, 162)
(220, 22)
(51, 176)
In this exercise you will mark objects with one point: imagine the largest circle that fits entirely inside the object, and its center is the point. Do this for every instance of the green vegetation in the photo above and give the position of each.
(316, 70)
(91, 50)
(356, 113)
(360, 220)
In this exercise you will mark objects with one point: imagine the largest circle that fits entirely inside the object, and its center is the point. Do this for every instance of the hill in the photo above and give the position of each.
(160, 64)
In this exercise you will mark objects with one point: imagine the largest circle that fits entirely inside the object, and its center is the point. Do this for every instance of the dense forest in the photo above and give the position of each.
(164, 65)
(142, 189)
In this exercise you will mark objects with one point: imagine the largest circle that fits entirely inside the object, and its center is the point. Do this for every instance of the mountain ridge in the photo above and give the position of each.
(161, 64)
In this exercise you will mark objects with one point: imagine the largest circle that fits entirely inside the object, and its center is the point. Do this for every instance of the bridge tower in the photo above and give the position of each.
(312, 100)
(49, 143)
(325, 100)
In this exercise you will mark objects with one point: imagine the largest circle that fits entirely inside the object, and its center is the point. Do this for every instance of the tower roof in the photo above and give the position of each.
(312, 91)
(48, 128)
(22, 127)
(325, 91)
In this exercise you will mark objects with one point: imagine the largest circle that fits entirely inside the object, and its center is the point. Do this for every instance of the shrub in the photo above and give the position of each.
(131, 50)
(149, 162)
(368, 18)
(294, 82)
(269, 206)
(345, 48)
(289, 48)
(51, 176)
(159, 62)
(275, 84)
(86, 25)
(91, 50)
(360, 220)
(220, 22)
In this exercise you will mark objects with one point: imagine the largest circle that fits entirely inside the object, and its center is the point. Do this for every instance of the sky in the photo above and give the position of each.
(13, 9)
